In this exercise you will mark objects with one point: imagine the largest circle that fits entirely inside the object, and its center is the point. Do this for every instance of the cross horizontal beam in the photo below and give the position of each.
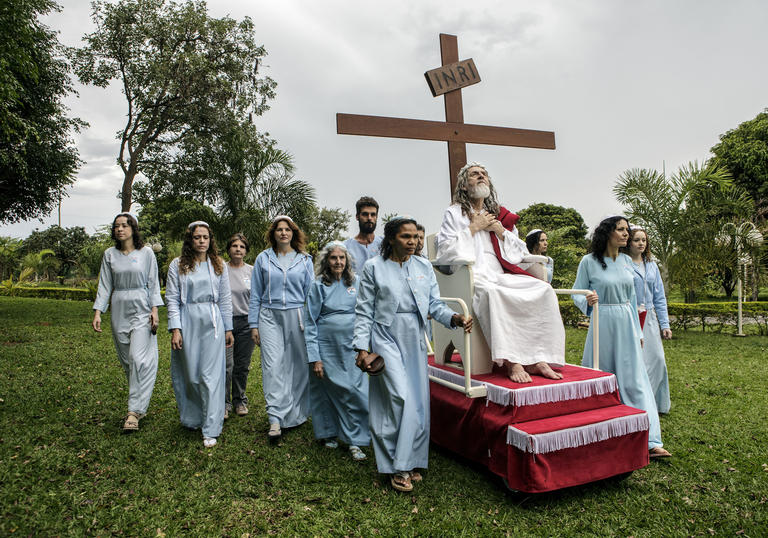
(356, 124)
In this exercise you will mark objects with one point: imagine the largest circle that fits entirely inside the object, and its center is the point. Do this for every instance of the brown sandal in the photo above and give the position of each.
(415, 476)
(401, 482)
(131, 423)
(658, 452)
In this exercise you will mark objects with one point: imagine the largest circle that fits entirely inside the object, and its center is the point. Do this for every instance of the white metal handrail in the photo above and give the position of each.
(595, 331)
(468, 390)
(480, 391)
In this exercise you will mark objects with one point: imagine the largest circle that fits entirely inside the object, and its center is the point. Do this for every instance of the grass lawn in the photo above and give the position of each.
(66, 468)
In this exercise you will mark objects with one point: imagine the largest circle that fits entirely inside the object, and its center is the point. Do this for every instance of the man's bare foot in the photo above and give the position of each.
(543, 369)
(517, 373)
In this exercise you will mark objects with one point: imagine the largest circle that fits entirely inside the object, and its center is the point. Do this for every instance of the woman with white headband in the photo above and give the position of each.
(651, 300)
(129, 275)
(536, 241)
(200, 320)
(282, 275)
(338, 391)
(607, 272)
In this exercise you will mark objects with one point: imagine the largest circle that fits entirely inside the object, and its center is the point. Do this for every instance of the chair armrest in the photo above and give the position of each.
(450, 269)
(534, 258)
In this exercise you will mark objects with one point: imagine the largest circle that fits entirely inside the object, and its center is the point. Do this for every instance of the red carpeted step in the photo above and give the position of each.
(580, 389)
(558, 452)
(595, 443)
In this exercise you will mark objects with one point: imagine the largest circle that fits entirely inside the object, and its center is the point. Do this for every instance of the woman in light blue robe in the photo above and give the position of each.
(338, 391)
(608, 274)
(651, 299)
(282, 275)
(200, 320)
(129, 275)
(397, 292)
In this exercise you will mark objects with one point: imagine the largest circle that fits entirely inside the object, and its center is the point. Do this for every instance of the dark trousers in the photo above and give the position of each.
(239, 362)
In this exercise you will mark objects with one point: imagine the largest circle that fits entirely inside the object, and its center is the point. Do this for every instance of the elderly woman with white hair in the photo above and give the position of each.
(338, 391)
(282, 275)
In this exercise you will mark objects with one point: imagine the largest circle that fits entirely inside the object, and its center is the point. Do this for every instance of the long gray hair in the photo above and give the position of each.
(323, 265)
(461, 194)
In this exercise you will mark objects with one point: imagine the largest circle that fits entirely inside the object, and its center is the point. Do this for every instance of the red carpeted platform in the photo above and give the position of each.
(544, 435)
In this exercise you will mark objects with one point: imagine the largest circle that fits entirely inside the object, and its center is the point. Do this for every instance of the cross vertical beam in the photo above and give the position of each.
(454, 111)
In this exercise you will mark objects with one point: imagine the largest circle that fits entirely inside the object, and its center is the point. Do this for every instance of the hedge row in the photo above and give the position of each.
(713, 316)
(716, 316)
(70, 294)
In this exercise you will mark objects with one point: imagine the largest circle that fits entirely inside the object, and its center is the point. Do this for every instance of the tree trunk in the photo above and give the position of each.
(126, 195)
(728, 283)
(690, 296)
(755, 282)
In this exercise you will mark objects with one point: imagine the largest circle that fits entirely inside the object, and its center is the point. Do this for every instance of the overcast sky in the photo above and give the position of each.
(623, 84)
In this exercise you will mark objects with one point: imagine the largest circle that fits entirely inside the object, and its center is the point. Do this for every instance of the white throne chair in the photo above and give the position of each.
(459, 284)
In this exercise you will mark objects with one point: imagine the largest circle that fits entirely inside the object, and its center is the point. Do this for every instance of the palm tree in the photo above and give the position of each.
(682, 215)
(9, 255)
(41, 263)
(257, 183)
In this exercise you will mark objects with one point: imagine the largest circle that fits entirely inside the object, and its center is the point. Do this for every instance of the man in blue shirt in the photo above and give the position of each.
(365, 244)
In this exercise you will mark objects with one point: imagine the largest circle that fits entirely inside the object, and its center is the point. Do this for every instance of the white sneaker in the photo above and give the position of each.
(209, 442)
(274, 432)
(357, 454)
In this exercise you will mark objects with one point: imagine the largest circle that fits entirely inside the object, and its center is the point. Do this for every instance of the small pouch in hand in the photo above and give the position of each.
(372, 364)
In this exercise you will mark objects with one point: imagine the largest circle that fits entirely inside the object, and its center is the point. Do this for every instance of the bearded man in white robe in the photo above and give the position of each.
(517, 312)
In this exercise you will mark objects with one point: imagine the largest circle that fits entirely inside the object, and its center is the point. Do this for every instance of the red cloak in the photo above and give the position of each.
(508, 220)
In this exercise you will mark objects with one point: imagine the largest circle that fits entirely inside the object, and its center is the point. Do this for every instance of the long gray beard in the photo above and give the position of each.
(479, 191)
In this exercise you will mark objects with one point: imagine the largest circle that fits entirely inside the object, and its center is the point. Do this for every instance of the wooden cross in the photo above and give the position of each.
(453, 130)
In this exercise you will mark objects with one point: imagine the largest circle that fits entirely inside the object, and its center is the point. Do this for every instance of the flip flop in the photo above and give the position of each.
(658, 452)
(404, 483)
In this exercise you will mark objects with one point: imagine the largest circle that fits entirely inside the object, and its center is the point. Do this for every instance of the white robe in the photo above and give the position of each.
(519, 314)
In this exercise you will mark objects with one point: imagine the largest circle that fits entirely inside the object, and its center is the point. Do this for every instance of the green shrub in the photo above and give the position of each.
(71, 294)
(571, 315)
(716, 316)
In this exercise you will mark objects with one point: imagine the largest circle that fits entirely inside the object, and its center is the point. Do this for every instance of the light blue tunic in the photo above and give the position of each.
(550, 266)
(199, 303)
(650, 292)
(391, 313)
(131, 280)
(338, 401)
(620, 351)
(278, 293)
(362, 253)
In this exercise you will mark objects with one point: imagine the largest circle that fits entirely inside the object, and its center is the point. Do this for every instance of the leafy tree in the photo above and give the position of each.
(326, 225)
(238, 177)
(38, 158)
(183, 74)
(744, 152)
(89, 257)
(66, 243)
(550, 217)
